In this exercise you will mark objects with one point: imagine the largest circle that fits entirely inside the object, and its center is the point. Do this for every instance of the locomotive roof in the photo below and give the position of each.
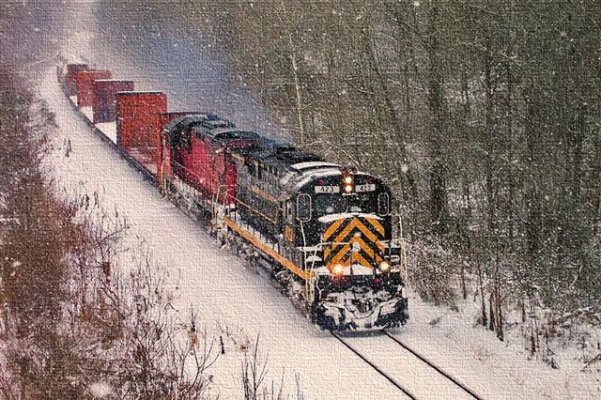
(296, 167)
(190, 119)
(212, 124)
(303, 166)
(230, 134)
(280, 155)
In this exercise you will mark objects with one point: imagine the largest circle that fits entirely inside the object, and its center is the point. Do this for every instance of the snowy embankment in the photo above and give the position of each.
(237, 304)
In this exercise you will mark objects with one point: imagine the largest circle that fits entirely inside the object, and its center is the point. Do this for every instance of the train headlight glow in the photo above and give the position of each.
(384, 266)
(338, 269)
(348, 181)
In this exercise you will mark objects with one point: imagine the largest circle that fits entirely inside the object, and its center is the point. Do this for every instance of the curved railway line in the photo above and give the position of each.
(364, 356)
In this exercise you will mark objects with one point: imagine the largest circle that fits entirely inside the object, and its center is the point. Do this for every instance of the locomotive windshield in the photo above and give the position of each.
(325, 204)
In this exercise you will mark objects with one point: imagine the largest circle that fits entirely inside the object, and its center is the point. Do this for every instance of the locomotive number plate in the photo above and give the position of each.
(368, 187)
(327, 189)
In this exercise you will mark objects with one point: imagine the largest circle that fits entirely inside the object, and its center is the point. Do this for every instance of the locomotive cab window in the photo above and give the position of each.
(289, 212)
(383, 204)
(303, 207)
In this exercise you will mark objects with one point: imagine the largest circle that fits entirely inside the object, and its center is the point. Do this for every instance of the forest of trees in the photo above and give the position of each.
(484, 116)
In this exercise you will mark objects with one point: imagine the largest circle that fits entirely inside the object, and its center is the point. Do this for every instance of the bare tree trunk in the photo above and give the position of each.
(391, 115)
(597, 174)
(438, 190)
(484, 319)
(490, 142)
(297, 91)
(298, 95)
(491, 309)
(510, 155)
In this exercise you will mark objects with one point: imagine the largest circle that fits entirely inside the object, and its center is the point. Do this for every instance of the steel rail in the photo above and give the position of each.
(433, 366)
(375, 367)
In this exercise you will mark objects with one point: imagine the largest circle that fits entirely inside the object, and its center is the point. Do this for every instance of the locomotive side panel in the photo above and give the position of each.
(206, 165)
(164, 152)
(256, 202)
(196, 155)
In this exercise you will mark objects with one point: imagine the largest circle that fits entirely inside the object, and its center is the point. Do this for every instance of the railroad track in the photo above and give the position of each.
(390, 377)
(433, 366)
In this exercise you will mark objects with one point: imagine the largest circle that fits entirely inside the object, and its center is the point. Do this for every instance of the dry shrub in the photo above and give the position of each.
(77, 323)
(430, 273)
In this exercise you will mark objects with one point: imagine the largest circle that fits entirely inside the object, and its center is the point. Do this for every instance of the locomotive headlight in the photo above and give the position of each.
(338, 269)
(384, 266)
(348, 181)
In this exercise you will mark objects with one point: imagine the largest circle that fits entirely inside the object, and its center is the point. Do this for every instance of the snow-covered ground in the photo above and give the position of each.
(225, 294)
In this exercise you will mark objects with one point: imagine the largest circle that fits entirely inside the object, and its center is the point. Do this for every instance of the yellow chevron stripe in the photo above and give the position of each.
(355, 256)
(369, 234)
(286, 263)
(366, 242)
(328, 250)
(348, 229)
(376, 224)
(356, 224)
(378, 259)
(365, 247)
(332, 228)
(378, 256)
(362, 260)
(345, 249)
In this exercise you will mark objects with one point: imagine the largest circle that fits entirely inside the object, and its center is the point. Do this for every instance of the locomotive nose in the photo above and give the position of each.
(353, 239)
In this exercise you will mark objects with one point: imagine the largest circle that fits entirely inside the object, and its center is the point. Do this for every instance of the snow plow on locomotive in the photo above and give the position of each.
(323, 232)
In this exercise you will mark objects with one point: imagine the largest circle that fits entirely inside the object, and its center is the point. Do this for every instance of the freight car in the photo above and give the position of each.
(322, 231)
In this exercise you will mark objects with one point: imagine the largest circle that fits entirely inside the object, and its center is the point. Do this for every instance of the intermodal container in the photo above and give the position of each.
(139, 121)
(72, 71)
(104, 104)
(85, 86)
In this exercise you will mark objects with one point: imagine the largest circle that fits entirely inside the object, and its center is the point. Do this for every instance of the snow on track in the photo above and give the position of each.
(432, 365)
